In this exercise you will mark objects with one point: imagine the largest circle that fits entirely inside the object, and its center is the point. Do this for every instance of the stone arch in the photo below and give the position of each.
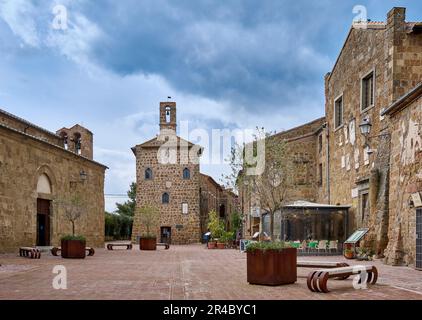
(44, 172)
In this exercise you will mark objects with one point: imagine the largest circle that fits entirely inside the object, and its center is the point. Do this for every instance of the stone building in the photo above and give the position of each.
(405, 205)
(368, 147)
(168, 177)
(216, 197)
(39, 172)
(379, 62)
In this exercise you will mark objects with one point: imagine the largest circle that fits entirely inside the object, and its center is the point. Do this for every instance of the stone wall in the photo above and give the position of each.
(406, 179)
(22, 160)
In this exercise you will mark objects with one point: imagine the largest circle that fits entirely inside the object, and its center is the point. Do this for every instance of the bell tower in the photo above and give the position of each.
(168, 116)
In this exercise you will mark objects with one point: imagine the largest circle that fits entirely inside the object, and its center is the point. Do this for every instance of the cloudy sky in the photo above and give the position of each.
(233, 64)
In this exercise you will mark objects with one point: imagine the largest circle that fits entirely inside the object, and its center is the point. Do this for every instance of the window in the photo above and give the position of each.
(364, 204)
(184, 208)
(320, 174)
(165, 198)
(338, 112)
(148, 174)
(367, 91)
(168, 115)
(186, 173)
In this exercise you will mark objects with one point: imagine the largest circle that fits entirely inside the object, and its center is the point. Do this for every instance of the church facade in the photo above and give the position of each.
(168, 178)
(39, 172)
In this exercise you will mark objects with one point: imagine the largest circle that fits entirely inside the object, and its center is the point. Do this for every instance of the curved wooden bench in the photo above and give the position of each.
(166, 245)
(128, 246)
(29, 252)
(317, 280)
(56, 251)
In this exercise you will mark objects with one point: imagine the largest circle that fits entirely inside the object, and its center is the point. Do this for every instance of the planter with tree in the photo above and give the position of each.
(149, 218)
(271, 263)
(73, 246)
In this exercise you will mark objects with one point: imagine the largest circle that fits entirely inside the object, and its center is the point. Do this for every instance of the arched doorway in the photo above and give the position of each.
(43, 210)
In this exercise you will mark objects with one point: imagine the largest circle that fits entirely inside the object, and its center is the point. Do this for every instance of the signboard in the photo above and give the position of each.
(357, 235)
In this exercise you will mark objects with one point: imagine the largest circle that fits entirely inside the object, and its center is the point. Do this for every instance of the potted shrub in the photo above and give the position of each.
(149, 219)
(73, 246)
(348, 252)
(216, 227)
(271, 263)
(223, 241)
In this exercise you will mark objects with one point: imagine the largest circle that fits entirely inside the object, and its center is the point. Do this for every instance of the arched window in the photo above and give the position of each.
(78, 143)
(165, 198)
(65, 140)
(186, 173)
(168, 115)
(148, 174)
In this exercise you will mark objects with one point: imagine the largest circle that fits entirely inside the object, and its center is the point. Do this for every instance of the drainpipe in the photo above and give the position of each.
(327, 167)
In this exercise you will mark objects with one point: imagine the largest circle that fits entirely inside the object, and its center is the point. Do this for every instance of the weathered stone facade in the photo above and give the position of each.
(35, 167)
(406, 176)
(390, 53)
(173, 169)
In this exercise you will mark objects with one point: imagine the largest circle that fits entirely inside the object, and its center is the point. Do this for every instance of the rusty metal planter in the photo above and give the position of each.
(221, 245)
(272, 267)
(212, 245)
(148, 244)
(73, 249)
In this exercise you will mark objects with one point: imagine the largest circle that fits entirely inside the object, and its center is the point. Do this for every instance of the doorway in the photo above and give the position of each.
(419, 239)
(43, 222)
(166, 235)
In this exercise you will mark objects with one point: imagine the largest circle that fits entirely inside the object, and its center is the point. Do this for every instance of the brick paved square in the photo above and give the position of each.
(183, 272)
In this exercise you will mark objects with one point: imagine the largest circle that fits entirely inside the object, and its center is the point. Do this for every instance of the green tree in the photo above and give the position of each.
(128, 208)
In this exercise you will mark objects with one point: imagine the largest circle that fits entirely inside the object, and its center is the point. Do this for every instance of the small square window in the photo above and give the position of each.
(367, 91)
(338, 112)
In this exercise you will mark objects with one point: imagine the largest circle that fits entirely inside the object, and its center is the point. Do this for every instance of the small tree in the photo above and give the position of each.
(268, 186)
(235, 222)
(74, 209)
(148, 216)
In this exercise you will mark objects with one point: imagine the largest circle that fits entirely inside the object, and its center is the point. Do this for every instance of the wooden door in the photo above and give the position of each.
(43, 222)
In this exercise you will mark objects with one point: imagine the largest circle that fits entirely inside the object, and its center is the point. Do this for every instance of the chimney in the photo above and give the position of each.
(396, 16)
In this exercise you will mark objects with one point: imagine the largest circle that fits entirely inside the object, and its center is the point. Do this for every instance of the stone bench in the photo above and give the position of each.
(317, 280)
(56, 251)
(29, 252)
(128, 246)
(166, 245)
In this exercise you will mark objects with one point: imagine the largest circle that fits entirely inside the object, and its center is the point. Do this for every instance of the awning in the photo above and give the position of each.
(301, 204)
